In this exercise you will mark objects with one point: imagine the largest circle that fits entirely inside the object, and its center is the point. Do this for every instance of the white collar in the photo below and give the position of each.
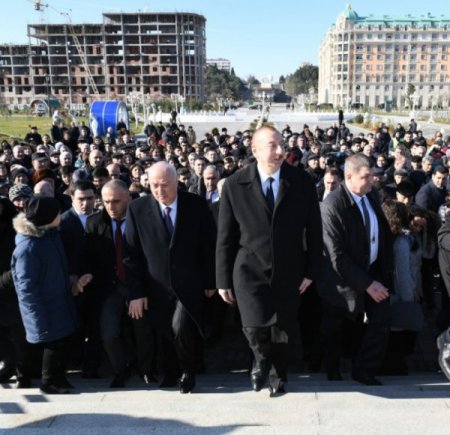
(263, 176)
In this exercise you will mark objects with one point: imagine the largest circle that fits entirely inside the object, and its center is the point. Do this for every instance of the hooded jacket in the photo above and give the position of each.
(40, 274)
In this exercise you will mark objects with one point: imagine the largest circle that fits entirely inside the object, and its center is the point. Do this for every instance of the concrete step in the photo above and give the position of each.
(225, 404)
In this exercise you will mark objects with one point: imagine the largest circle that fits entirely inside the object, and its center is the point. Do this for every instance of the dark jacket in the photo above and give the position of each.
(99, 256)
(430, 197)
(9, 306)
(444, 251)
(40, 275)
(73, 238)
(160, 267)
(345, 276)
(262, 256)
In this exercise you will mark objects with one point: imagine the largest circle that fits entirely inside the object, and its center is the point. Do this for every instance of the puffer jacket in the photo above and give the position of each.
(40, 274)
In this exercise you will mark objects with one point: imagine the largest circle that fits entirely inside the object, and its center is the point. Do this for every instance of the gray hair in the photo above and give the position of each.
(213, 169)
(355, 162)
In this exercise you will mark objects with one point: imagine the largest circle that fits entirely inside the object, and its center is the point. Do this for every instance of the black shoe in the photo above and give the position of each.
(187, 383)
(365, 379)
(54, 389)
(149, 378)
(120, 379)
(90, 374)
(277, 390)
(23, 383)
(334, 376)
(64, 383)
(168, 382)
(259, 376)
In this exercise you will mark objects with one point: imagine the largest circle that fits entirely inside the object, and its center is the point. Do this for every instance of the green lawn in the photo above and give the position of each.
(17, 126)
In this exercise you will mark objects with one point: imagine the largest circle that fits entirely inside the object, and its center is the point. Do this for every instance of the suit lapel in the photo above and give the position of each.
(256, 187)
(283, 188)
(157, 220)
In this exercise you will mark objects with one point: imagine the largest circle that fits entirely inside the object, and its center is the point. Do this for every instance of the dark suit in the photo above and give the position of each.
(262, 255)
(73, 237)
(108, 297)
(346, 276)
(172, 271)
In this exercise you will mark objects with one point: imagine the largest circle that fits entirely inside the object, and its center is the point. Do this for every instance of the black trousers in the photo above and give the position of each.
(54, 360)
(269, 346)
(112, 315)
(374, 335)
(180, 339)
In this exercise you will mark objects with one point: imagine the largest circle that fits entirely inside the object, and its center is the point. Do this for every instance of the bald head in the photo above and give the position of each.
(116, 197)
(162, 178)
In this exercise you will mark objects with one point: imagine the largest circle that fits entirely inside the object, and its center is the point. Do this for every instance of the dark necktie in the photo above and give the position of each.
(270, 198)
(366, 219)
(168, 220)
(118, 242)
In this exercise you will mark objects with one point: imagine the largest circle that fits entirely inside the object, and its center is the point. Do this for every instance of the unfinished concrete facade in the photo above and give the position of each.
(156, 54)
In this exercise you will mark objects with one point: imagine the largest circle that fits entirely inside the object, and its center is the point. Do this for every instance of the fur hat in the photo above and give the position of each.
(42, 210)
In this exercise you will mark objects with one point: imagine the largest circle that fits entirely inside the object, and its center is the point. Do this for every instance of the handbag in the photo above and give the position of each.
(406, 315)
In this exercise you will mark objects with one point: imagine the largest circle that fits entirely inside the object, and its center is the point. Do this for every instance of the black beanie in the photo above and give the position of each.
(42, 210)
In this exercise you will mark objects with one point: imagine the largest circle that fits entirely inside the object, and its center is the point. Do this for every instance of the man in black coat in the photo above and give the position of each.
(357, 272)
(72, 230)
(170, 265)
(267, 211)
(105, 250)
(433, 194)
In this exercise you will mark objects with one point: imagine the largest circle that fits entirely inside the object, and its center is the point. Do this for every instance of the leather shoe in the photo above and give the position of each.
(277, 390)
(168, 382)
(148, 378)
(187, 383)
(23, 383)
(259, 376)
(54, 389)
(365, 379)
(120, 379)
(334, 376)
(90, 374)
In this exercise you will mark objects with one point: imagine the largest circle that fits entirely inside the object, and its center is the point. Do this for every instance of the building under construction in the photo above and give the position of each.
(155, 54)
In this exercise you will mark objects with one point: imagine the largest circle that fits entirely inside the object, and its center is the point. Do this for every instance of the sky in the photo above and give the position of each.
(260, 37)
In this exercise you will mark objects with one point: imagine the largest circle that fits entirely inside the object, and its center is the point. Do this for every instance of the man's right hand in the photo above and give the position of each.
(377, 291)
(136, 308)
(227, 296)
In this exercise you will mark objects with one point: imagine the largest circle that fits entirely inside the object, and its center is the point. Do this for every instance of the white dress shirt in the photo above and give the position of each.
(265, 182)
(173, 210)
(114, 227)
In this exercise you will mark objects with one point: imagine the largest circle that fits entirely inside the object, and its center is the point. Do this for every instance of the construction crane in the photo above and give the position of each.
(39, 6)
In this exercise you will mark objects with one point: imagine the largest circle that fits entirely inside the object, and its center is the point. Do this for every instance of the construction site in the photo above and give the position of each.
(157, 55)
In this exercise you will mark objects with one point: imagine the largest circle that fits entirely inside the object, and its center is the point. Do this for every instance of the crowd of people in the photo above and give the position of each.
(133, 251)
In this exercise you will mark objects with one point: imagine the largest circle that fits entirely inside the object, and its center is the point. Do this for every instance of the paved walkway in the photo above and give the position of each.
(222, 404)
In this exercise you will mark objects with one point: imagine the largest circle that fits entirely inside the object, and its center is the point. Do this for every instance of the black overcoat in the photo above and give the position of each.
(345, 275)
(261, 255)
(159, 267)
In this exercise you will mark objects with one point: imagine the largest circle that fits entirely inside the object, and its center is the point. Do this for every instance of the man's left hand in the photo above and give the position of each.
(304, 285)
(209, 293)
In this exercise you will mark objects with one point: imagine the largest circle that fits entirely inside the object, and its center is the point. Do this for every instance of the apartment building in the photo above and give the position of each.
(375, 61)
(156, 54)
(220, 63)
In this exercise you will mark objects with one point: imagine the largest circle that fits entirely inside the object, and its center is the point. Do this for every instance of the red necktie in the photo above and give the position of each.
(118, 241)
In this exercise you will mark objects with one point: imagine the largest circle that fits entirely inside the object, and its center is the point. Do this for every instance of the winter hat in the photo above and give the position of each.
(42, 210)
(20, 191)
